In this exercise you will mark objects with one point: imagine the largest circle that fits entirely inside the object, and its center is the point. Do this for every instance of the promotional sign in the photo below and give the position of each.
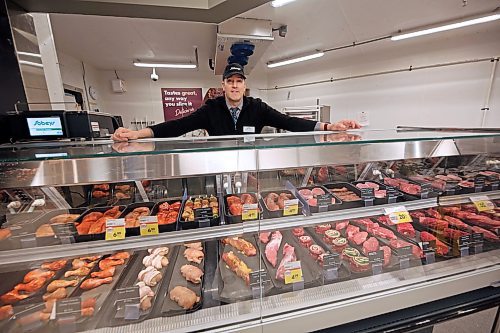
(180, 102)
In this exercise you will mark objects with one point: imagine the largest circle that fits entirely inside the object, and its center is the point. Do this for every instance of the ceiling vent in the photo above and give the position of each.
(242, 41)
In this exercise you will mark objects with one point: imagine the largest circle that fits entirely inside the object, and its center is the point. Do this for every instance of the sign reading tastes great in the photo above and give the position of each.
(180, 102)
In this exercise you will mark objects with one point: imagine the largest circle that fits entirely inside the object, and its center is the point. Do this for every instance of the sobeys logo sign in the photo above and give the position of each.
(44, 123)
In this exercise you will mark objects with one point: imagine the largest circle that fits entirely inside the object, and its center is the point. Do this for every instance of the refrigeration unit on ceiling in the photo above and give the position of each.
(243, 41)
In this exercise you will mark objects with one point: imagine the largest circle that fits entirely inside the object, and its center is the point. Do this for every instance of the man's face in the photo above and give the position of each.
(234, 88)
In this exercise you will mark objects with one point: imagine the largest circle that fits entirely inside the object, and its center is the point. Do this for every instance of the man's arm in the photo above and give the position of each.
(274, 118)
(168, 129)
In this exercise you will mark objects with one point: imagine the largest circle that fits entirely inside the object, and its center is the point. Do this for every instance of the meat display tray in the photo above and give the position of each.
(349, 187)
(170, 308)
(101, 294)
(230, 218)
(184, 225)
(135, 231)
(171, 226)
(232, 288)
(277, 213)
(408, 196)
(91, 237)
(311, 272)
(113, 316)
(96, 202)
(115, 201)
(315, 209)
(381, 201)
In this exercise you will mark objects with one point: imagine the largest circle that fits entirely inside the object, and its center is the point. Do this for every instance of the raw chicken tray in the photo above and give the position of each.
(135, 231)
(170, 226)
(114, 316)
(230, 218)
(169, 307)
(277, 213)
(90, 237)
(232, 288)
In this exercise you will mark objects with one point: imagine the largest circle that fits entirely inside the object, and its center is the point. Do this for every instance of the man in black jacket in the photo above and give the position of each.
(232, 113)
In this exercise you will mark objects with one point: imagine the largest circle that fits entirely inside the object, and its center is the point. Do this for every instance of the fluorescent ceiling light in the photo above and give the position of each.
(29, 54)
(29, 63)
(294, 60)
(279, 3)
(446, 27)
(162, 65)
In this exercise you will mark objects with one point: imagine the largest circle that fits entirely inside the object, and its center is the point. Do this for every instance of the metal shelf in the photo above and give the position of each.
(77, 249)
(318, 308)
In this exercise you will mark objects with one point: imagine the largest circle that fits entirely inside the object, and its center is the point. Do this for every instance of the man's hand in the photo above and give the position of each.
(125, 134)
(343, 125)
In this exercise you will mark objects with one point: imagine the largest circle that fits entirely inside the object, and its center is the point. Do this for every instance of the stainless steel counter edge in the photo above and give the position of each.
(14, 257)
(157, 165)
(317, 308)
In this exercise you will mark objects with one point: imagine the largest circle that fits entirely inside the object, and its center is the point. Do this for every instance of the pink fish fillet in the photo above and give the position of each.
(272, 248)
(288, 256)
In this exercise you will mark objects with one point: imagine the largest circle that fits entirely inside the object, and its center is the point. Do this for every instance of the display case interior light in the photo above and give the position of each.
(163, 65)
(29, 54)
(279, 3)
(449, 26)
(295, 60)
(30, 63)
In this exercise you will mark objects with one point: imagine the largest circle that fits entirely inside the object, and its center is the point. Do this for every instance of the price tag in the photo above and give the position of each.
(425, 188)
(148, 225)
(392, 194)
(250, 212)
(429, 251)
(331, 260)
(64, 229)
(482, 203)
(202, 213)
(127, 303)
(463, 245)
(477, 242)
(398, 214)
(291, 207)
(69, 307)
(115, 229)
(404, 251)
(293, 272)
(479, 182)
(376, 257)
(260, 275)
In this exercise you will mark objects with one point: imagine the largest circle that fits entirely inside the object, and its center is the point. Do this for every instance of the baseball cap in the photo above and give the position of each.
(233, 69)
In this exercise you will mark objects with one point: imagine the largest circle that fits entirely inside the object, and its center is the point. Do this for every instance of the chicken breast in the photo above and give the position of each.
(186, 298)
(192, 273)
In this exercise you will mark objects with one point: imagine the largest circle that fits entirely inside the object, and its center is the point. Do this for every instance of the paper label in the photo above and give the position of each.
(69, 306)
(95, 126)
(250, 212)
(115, 229)
(398, 214)
(248, 129)
(482, 203)
(148, 225)
(293, 272)
(291, 207)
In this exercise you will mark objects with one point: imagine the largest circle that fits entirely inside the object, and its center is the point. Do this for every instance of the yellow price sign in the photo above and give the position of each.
(293, 272)
(250, 212)
(115, 229)
(398, 214)
(400, 217)
(482, 203)
(291, 207)
(148, 225)
(115, 233)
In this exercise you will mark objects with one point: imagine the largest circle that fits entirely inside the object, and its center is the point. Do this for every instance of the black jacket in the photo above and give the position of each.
(215, 117)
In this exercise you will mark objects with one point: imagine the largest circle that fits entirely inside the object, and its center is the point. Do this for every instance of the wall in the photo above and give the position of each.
(72, 74)
(143, 98)
(445, 96)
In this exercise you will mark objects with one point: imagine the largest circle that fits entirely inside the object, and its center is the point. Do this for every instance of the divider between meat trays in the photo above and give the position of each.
(170, 308)
(394, 263)
(232, 288)
(101, 294)
(113, 314)
(318, 237)
(90, 237)
(311, 272)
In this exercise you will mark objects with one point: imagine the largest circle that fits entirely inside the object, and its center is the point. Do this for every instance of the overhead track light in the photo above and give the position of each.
(163, 65)
(295, 60)
(448, 26)
(29, 54)
(30, 63)
(279, 3)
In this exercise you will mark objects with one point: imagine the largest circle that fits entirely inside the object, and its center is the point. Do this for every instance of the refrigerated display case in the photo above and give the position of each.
(280, 232)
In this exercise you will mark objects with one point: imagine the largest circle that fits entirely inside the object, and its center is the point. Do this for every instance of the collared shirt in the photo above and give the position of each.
(235, 110)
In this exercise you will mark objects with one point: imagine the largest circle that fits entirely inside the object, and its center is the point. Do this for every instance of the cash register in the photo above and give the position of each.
(57, 125)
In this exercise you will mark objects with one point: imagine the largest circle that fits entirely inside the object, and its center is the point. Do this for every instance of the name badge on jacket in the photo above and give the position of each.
(248, 129)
